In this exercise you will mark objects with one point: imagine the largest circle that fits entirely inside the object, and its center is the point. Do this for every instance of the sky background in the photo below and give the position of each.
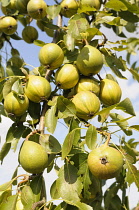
(129, 87)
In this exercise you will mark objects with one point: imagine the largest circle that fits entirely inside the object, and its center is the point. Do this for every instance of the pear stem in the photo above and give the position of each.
(108, 137)
(31, 134)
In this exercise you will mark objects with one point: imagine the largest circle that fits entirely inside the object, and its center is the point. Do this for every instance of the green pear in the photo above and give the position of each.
(33, 157)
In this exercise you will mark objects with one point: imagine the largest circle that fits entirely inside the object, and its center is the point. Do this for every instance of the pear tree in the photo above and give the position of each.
(84, 49)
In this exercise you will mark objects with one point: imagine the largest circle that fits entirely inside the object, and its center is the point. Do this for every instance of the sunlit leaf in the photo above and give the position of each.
(53, 11)
(135, 127)
(50, 143)
(4, 150)
(69, 185)
(51, 119)
(66, 107)
(91, 137)
(116, 5)
(126, 106)
(121, 122)
(10, 203)
(70, 139)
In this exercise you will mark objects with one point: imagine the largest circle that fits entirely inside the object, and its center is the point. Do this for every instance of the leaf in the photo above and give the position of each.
(66, 107)
(126, 106)
(69, 42)
(51, 119)
(76, 25)
(8, 86)
(10, 203)
(71, 138)
(14, 134)
(69, 185)
(4, 150)
(53, 11)
(36, 187)
(39, 43)
(135, 127)
(6, 185)
(132, 175)
(82, 206)
(27, 196)
(54, 191)
(50, 143)
(121, 122)
(116, 5)
(135, 74)
(91, 137)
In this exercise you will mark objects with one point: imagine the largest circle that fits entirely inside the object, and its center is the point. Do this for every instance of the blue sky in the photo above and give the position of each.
(30, 54)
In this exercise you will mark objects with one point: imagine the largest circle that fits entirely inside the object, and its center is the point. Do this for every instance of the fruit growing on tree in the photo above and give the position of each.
(8, 25)
(33, 157)
(10, 8)
(87, 104)
(110, 92)
(105, 162)
(69, 8)
(51, 56)
(21, 6)
(37, 9)
(37, 88)
(91, 3)
(15, 105)
(67, 76)
(89, 60)
(29, 34)
(87, 83)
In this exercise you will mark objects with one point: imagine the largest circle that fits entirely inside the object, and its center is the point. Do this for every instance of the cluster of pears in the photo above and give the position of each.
(37, 9)
(88, 92)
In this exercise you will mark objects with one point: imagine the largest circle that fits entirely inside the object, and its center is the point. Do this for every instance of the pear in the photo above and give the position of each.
(33, 157)
(105, 162)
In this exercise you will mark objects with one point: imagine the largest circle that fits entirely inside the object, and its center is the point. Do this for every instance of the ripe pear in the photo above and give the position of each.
(87, 83)
(8, 25)
(105, 162)
(110, 92)
(89, 60)
(37, 9)
(51, 55)
(69, 8)
(67, 76)
(87, 104)
(33, 157)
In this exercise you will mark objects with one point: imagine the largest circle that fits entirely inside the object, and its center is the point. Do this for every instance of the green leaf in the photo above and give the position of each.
(18, 87)
(14, 134)
(126, 106)
(39, 43)
(82, 206)
(69, 42)
(51, 119)
(27, 196)
(36, 187)
(34, 109)
(131, 7)
(70, 139)
(54, 191)
(6, 185)
(121, 122)
(77, 24)
(50, 143)
(8, 85)
(53, 11)
(135, 74)
(66, 107)
(69, 185)
(10, 203)
(135, 127)
(91, 137)
(132, 175)
(116, 5)
(4, 150)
